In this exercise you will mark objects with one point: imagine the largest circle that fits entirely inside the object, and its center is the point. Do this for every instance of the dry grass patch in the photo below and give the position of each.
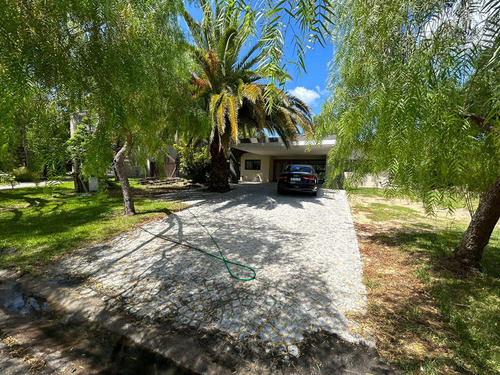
(425, 318)
(401, 313)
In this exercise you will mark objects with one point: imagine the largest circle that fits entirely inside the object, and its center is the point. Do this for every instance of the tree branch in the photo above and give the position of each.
(479, 121)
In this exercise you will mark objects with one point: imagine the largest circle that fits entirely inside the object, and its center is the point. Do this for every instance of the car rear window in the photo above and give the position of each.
(298, 168)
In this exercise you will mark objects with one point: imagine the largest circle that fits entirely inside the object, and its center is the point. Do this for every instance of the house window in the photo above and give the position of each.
(252, 165)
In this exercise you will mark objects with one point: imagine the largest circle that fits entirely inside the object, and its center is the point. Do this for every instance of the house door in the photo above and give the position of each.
(279, 165)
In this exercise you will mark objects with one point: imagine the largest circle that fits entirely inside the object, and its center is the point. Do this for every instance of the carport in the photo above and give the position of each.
(263, 159)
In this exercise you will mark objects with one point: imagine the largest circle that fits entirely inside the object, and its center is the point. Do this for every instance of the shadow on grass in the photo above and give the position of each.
(430, 243)
(469, 304)
(36, 226)
(439, 244)
(415, 331)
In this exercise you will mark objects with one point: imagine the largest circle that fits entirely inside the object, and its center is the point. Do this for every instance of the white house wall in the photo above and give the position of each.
(261, 175)
(371, 180)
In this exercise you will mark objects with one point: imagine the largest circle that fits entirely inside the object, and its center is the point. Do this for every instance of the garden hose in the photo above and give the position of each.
(221, 254)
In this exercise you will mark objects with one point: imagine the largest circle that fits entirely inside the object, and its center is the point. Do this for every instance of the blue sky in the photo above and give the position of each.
(309, 86)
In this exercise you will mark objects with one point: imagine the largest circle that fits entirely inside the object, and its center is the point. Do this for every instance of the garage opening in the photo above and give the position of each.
(318, 164)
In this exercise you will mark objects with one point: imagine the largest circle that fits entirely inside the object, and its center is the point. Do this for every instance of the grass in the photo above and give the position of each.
(384, 212)
(426, 317)
(40, 223)
(372, 192)
(448, 202)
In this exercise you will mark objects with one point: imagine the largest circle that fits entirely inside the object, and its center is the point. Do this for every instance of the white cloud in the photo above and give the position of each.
(321, 92)
(307, 96)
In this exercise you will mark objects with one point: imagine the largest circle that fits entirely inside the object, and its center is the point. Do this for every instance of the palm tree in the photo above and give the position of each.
(228, 83)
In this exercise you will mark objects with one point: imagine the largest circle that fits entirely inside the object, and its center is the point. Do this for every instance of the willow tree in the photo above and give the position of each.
(416, 88)
(228, 82)
(120, 61)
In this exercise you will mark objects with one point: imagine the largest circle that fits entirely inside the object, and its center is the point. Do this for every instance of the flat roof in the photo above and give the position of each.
(275, 146)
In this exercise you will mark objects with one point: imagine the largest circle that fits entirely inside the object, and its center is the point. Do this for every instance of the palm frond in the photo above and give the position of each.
(213, 105)
(221, 112)
(251, 92)
(225, 49)
(233, 107)
(229, 82)
(195, 29)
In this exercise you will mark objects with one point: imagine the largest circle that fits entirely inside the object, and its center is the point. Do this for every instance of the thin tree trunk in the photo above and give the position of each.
(119, 166)
(115, 175)
(470, 249)
(219, 174)
(80, 185)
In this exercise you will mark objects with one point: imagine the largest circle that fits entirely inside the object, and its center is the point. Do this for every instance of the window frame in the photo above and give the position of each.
(250, 162)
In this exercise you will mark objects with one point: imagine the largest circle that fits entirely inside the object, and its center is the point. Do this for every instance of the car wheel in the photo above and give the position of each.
(280, 191)
(314, 193)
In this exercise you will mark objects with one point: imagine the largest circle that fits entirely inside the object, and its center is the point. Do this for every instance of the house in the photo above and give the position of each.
(164, 165)
(262, 160)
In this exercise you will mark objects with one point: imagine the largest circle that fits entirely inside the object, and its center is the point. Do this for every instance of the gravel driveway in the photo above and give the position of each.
(303, 249)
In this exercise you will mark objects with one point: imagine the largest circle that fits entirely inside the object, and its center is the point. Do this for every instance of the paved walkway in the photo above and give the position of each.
(19, 185)
(303, 248)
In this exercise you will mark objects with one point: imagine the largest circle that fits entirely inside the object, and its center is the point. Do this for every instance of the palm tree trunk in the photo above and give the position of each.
(219, 174)
(119, 166)
(470, 249)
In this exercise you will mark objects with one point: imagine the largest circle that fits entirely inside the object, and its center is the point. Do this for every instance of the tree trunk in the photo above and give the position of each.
(119, 166)
(115, 175)
(470, 249)
(80, 185)
(219, 174)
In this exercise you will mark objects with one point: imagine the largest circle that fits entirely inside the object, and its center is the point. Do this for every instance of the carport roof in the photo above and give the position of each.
(275, 146)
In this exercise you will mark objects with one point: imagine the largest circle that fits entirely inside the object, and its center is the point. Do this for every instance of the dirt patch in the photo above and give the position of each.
(403, 316)
(326, 353)
(49, 341)
(157, 187)
(68, 342)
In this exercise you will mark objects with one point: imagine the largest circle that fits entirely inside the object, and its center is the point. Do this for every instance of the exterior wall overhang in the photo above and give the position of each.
(276, 147)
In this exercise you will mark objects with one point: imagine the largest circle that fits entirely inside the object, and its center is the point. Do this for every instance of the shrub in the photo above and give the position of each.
(195, 160)
(6, 178)
(22, 174)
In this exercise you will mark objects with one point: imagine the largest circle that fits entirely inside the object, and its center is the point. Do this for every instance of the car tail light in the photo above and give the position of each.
(309, 178)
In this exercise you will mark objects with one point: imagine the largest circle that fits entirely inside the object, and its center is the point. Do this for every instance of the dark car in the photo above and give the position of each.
(300, 178)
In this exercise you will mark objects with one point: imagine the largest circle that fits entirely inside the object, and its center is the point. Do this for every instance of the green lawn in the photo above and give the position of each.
(468, 306)
(448, 202)
(39, 223)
